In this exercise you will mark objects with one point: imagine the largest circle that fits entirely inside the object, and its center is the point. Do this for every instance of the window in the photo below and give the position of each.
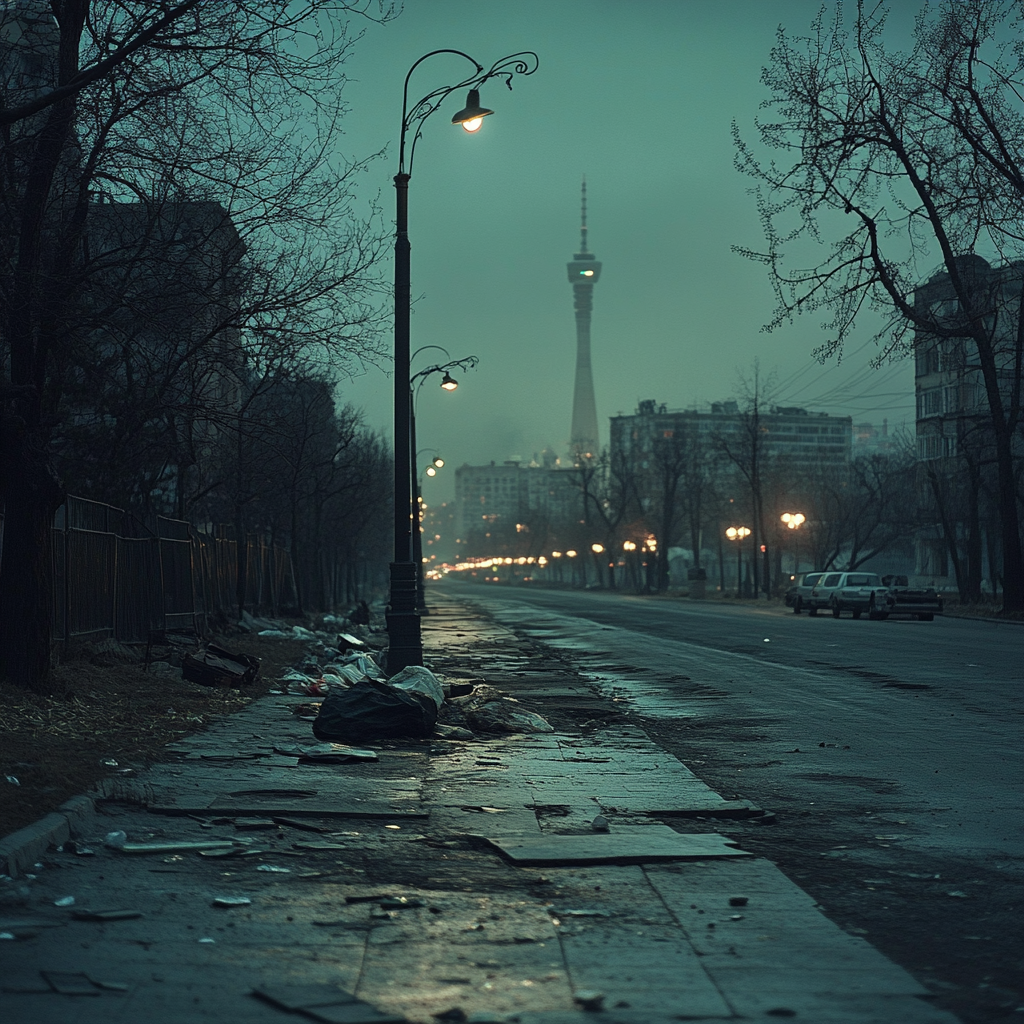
(832, 580)
(929, 403)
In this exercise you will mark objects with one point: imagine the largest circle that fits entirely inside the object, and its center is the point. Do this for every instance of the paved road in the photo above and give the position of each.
(923, 722)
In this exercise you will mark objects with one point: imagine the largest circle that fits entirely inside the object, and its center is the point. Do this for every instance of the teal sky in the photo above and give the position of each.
(640, 96)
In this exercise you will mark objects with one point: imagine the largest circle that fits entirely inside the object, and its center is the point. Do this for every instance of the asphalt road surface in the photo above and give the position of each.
(933, 711)
(891, 752)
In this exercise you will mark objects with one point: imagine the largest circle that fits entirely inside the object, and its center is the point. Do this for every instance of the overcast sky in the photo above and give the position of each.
(640, 96)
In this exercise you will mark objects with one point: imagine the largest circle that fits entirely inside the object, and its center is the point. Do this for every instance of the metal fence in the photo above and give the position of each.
(114, 576)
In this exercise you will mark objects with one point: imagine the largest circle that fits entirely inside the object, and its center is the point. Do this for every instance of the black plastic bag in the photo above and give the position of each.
(371, 710)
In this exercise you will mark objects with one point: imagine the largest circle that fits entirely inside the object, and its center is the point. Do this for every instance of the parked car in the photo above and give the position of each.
(924, 602)
(856, 592)
(799, 593)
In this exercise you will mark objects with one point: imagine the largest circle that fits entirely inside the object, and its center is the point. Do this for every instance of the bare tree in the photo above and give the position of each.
(907, 160)
(233, 104)
(746, 448)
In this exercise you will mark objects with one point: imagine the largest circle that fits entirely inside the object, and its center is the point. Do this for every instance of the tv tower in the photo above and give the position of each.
(584, 271)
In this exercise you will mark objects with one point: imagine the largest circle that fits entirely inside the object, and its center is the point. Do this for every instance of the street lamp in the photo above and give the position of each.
(405, 644)
(793, 521)
(737, 533)
(416, 381)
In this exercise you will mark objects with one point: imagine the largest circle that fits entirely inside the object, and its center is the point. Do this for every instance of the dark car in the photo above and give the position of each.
(923, 602)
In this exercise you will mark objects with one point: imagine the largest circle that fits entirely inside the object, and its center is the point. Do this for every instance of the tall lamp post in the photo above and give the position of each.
(405, 643)
(737, 533)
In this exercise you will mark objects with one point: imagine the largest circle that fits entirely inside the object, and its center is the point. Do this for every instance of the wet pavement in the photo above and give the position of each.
(528, 878)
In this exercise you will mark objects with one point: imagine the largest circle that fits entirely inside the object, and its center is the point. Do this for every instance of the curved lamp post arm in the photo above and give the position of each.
(465, 363)
(524, 63)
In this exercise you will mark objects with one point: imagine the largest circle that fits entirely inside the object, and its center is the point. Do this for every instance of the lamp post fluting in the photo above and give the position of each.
(405, 644)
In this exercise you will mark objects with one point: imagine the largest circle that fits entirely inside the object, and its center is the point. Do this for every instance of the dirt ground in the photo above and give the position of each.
(109, 716)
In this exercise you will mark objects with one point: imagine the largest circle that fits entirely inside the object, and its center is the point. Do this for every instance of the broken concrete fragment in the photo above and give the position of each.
(231, 901)
(589, 999)
(106, 915)
(637, 845)
(68, 984)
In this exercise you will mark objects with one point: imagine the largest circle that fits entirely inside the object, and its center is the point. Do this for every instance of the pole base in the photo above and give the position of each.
(405, 643)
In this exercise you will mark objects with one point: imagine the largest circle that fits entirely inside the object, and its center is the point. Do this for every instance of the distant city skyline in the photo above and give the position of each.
(641, 98)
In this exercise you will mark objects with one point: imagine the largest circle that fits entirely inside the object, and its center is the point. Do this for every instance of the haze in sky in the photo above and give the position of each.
(640, 96)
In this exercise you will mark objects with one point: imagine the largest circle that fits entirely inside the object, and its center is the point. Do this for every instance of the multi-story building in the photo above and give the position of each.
(497, 503)
(954, 426)
(807, 441)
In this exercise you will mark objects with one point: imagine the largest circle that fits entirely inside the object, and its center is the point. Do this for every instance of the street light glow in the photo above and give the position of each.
(448, 382)
(597, 548)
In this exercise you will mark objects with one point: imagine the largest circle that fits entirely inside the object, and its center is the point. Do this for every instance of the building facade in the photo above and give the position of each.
(807, 441)
(512, 504)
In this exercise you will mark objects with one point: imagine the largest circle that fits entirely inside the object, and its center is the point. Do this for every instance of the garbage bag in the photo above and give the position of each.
(214, 666)
(371, 710)
(505, 715)
(417, 679)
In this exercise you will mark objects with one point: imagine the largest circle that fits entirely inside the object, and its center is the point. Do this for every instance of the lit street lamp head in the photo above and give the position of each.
(449, 383)
(472, 114)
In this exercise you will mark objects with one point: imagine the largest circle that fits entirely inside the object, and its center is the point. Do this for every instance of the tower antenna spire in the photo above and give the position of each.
(583, 216)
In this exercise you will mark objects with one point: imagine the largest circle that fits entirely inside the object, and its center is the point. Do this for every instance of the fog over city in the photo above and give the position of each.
(641, 99)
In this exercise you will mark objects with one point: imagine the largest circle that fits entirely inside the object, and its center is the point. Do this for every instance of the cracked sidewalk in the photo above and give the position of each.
(382, 879)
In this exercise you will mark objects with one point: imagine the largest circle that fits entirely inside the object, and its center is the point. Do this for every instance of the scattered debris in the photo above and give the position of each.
(274, 869)
(453, 732)
(255, 823)
(115, 840)
(215, 666)
(649, 843)
(231, 901)
(589, 999)
(107, 915)
(13, 780)
(178, 847)
(328, 753)
(600, 823)
(65, 901)
(400, 903)
(738, 901)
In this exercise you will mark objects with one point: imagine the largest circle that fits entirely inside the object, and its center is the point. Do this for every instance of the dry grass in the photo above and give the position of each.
(108, 709)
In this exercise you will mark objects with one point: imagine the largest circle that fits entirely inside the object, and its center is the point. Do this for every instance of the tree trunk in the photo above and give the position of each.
(32, 495)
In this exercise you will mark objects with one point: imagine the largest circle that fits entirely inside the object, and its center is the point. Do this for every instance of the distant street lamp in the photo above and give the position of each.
(737, 533)
(571, 555)
(416, 381)
(405, 644)
(793, 521)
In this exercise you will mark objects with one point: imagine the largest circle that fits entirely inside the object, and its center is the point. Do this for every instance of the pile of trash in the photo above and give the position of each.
(361, 704)
(487, 709)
